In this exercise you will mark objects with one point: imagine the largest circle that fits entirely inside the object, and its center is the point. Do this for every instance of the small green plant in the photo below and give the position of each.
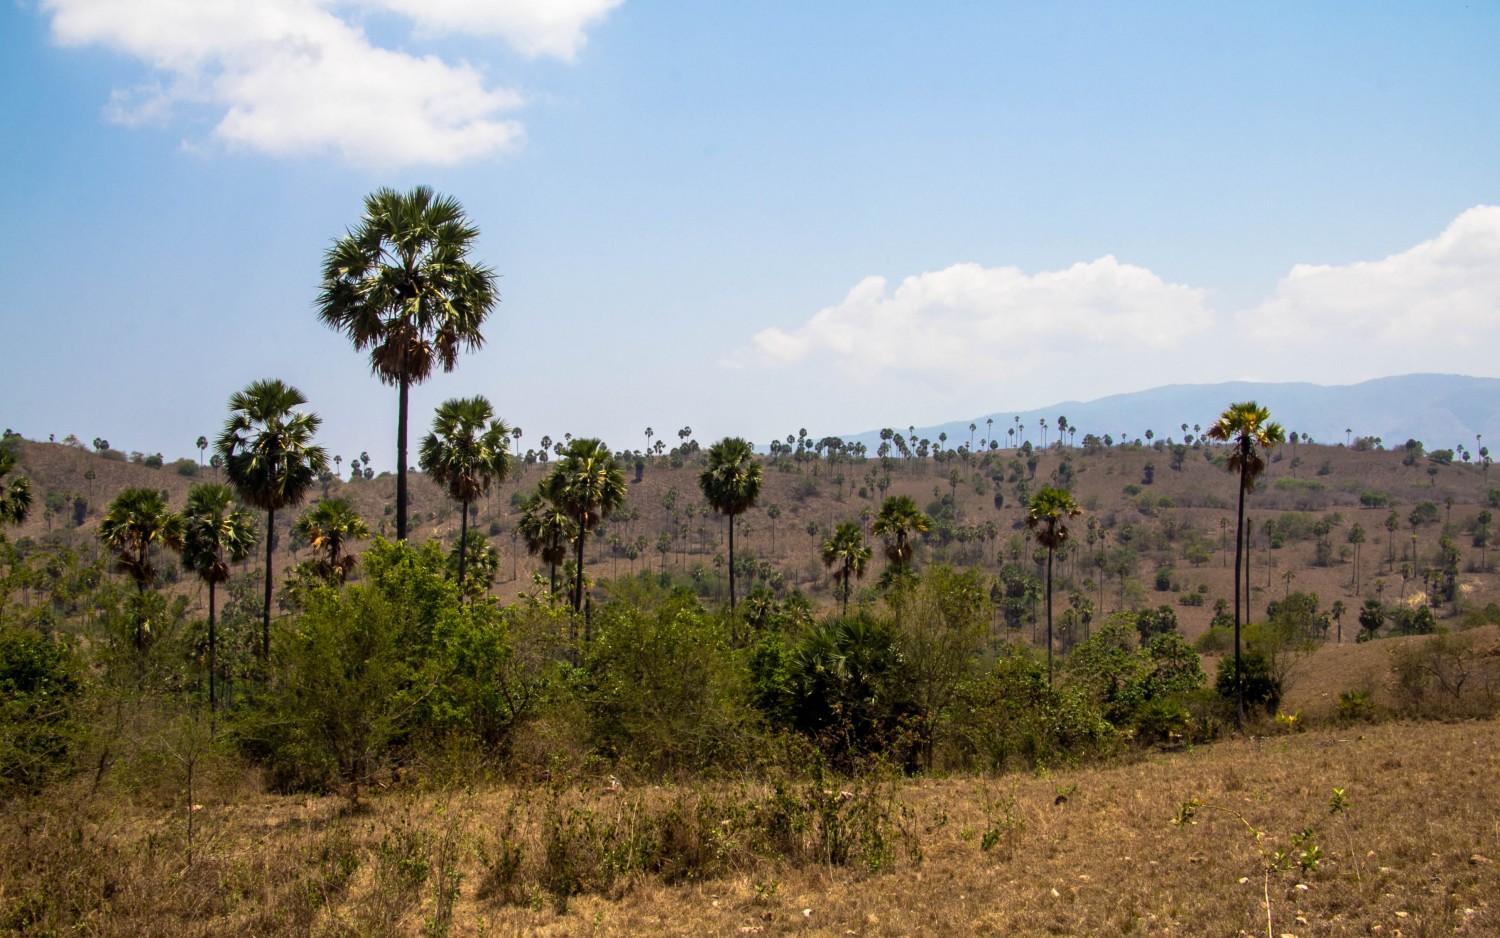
(1301, 849)
(1003, 823)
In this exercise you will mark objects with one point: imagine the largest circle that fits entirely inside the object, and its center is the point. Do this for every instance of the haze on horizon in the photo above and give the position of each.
(745, 220)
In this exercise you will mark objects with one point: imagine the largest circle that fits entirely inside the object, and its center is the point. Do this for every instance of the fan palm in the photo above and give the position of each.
(136, 524)
(402, 285)
(270, 458)
(547, 531)
(15, 494)
(588, 486)
(1047, 515)
(899, 518)
(731, 484)
(483, 562)
(215, 534)
(1249, 430)
(328, 526)
(466, 452)
(846, 551)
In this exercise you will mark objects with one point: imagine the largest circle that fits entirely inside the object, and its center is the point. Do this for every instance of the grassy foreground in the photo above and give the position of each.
(1088, 851)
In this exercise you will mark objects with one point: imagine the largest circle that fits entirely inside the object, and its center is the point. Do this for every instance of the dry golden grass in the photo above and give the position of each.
(1077, 852)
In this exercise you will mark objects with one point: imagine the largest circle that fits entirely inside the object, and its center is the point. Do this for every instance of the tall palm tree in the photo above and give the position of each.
(1249, 429)
(15, 494)
(547, 531)
(328, 525)
(270, 458)
(467, 451)
(215, 534)
(402, 285)
(1047, 517)
(588, 486)
(899, 518)
(137, 524)
(731, 485)
(846, 551)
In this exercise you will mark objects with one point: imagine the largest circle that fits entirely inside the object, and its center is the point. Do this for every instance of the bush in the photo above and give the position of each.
(40, 682)
(1262, 687)
(1009, 717)
(371, 674)
(662, 686)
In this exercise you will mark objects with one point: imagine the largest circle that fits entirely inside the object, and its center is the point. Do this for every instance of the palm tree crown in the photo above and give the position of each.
(328, 526)
(15, 494)
(466, 452)
(1047, 515)
(1249, 429)
(899, 518)
(269, 456)
(845, 550)
(547, 530)
(588, 486)
(402, 285)
(136, 524)
(731, 484)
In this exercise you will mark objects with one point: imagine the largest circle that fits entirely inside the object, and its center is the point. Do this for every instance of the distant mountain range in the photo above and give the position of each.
(1440, 410)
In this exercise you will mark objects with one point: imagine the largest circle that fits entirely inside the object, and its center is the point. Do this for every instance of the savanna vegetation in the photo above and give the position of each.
(564, 686)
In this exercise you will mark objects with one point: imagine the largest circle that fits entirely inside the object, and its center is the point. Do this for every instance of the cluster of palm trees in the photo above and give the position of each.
(401, 286)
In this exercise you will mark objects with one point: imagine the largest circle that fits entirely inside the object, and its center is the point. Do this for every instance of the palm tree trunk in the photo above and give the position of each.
(731, 564)
(1049, 616)
(213, 660)
(402, 385)
(578, 574)
(265, 620)
(463, 544)
(1239, 557)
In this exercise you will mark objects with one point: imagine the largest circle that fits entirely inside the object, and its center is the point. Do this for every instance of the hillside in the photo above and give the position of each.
(1172, 522)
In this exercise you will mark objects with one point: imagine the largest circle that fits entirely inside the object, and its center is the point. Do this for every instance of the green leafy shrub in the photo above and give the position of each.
(40, 683)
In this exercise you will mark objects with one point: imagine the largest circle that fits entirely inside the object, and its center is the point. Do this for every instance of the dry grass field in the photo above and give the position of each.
(1089, 851)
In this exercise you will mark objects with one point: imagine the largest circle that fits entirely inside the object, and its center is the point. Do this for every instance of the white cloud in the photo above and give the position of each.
(957, 338)
(533, 27)
(961, 325)
(1442, 296)
(301, 76)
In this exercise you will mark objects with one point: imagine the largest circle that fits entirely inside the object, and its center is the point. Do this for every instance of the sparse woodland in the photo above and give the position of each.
(560, 686)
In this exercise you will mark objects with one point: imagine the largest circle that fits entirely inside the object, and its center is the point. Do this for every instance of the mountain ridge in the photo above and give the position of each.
(1443, 411)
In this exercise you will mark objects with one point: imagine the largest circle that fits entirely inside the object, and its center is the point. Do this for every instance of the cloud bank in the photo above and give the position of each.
(297, 77)
(964, 333)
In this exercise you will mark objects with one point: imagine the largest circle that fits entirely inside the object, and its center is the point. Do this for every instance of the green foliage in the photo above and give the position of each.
(1010, 717)
(370, 673)
(1141, 686)
(851, 690)
(1262, 687)
(663, 688)
(41, 681)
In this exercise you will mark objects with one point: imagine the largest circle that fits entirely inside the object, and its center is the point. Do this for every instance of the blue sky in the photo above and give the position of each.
(745, 218)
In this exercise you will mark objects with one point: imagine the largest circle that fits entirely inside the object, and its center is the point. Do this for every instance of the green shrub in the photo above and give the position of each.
(663, 687)
(1262, 687)
(40, 682)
